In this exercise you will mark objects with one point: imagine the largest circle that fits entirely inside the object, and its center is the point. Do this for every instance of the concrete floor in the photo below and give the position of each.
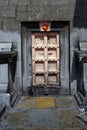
(43, 113)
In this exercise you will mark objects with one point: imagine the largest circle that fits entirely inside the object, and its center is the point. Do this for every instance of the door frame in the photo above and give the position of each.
(63, 28)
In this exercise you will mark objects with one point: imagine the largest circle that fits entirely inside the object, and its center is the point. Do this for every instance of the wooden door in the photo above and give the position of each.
(45, 59)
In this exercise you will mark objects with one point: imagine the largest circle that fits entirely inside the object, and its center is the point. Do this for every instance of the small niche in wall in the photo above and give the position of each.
(5, 46)
(83, 45)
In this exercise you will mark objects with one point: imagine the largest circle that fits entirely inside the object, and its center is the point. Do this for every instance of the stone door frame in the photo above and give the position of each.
(63, 29)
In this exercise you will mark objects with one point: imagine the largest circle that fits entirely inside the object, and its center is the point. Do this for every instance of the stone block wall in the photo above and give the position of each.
(13, 12)
(80, 17)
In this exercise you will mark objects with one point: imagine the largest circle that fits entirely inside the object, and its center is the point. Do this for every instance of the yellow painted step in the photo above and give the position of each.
(45, 102)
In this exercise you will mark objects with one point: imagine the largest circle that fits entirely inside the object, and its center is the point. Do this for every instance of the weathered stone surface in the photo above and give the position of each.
(64, 102)
(35, 8)
(32, 16)
(1, 19)
(43, 118)
(38, 10)
(7, 11)
(26, 102)
(4, 73)
(47, 12)
(24, 118)
(51, 2)
(13, 2)
(40, 2)
(1, 26)
(80, 17)
(34, 128)
(21, 8)
(59, 2)
(22, 16)
(2, 109)
(17, 119)
(82, 117)
(11, 24)
(68, 119)
(24, 2)
(4, 2)
(45, 102)
(5, 98)
(66, 12)
(3, 87)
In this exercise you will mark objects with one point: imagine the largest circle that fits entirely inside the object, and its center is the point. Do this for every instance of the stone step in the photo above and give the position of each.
(82, 117)
(78, 99)
(2, 109)
(81, 96)
(14, 98)
(46, 91)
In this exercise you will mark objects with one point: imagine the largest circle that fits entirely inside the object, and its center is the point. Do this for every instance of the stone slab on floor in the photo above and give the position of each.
(44, 118)
(45, 102)
(32, 128)
(16, 119)
(26, 116)
(64, 102)
(60, 102)
(26, 102)
(69, 121)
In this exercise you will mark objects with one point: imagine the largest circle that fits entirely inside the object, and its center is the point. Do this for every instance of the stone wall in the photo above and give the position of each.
(80, 17)
(13, 12)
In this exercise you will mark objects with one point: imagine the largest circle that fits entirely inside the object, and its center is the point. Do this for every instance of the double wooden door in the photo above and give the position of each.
(45, 59)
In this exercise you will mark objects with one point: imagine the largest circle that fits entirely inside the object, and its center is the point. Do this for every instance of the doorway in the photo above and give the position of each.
(46, 59)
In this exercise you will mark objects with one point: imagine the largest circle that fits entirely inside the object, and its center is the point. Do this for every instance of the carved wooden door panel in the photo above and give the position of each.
(45, 59)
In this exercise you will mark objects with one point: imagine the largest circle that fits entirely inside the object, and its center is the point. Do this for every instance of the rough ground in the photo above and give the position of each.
(42, 113)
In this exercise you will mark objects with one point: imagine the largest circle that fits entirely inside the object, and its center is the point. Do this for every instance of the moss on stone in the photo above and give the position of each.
(45, 102)
(13, 129)
(68, 119)
(64, 102)
(16, 118)
(27, 102)
(32, 128)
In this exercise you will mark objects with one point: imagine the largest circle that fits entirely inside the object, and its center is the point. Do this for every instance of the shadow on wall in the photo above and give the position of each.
(80, 14)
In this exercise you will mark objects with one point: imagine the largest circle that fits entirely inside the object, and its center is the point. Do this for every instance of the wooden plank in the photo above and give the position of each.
(33, 79)
(57, 39)
(40, 78)
(52, 78)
